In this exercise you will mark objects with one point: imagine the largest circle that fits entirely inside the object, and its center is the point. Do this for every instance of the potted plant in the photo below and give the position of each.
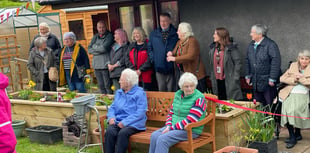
(260, 131)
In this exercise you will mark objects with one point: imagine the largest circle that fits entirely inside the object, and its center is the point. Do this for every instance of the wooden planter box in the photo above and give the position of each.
(48, 113)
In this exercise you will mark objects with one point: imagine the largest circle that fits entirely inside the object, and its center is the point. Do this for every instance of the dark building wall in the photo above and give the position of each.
(288, 22)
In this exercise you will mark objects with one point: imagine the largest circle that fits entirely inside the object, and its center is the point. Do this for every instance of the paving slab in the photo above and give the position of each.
(302, 146)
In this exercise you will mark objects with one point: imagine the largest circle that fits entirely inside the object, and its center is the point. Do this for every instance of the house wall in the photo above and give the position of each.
(288, 23)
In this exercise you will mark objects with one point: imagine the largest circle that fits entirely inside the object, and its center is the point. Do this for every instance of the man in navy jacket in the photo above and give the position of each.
(161, 41)
(263, 65)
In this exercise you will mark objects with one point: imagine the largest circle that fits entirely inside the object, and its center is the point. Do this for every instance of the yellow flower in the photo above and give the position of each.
(113, 87)
(87, 80)
(31, 84)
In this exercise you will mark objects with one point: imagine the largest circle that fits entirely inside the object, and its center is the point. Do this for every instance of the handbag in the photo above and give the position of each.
(53, 74)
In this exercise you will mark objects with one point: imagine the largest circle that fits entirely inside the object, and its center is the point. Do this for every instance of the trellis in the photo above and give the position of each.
(8, 66)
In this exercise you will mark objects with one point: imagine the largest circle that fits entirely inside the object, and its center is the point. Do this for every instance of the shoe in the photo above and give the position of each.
(290, 145)
(298, 138)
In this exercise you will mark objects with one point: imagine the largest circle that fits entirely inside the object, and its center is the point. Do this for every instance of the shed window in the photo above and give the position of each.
(77, 27)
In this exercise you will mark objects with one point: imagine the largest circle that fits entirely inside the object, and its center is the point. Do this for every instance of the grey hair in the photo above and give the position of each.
(131, 76)
(44, 24)
(39, 41)
(260, 29)
(70, 35)
(141, 31)
(186, 28)
(305, 53)
(189, 78)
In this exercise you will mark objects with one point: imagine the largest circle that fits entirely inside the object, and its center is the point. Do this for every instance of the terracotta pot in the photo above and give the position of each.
(229, 149)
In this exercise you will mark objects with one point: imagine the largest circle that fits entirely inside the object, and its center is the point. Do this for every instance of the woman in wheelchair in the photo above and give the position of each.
(295, 97)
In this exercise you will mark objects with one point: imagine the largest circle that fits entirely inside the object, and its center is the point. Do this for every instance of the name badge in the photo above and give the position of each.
(218, 69)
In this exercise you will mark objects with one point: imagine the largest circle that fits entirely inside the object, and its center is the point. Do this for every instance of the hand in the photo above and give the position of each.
(271, 83)
(170, 58)
(112, 121)
(166, 130)
(138, 72)
(111, 67)
(120, 125)
(169, 53)
(248, 81)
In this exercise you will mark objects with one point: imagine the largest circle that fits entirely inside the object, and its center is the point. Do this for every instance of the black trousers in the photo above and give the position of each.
(116, 139)
(221, 90)
(46, 83)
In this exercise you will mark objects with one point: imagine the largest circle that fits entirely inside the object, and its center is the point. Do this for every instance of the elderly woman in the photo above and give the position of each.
(138, 58)
(41, 59)
(295, 97)
(52, 40)
(186, 55)
(117, 55)
(226, 64)
(126, 116)
(73, 58)
(189, 105)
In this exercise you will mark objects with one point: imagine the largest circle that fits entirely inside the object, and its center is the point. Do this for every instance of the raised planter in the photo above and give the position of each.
(48, 113)
(45, 134)
(18, 127)
(235, 149)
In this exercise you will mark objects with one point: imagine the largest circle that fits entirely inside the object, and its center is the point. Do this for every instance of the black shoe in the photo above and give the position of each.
(290, 145)
(298, 138)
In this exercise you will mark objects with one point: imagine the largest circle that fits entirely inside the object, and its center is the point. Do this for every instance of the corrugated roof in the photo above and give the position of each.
(89, 8)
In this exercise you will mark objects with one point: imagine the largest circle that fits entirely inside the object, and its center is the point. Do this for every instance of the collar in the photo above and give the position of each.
(259, 41)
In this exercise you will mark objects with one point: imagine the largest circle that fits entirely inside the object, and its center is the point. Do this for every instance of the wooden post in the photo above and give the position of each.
(14, 75)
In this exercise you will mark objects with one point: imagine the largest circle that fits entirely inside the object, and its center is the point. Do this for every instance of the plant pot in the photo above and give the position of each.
(231, 149)
(265, 147)
(45, 134)
(18, 127)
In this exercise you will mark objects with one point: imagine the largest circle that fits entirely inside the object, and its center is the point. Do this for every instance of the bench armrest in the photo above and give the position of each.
(102, 118)
(200, 123)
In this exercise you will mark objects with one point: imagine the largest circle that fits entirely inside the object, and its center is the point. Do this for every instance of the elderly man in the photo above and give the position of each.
(126, 116)
(263, 65)
(100, 47)
(161, 41)
(52, 40)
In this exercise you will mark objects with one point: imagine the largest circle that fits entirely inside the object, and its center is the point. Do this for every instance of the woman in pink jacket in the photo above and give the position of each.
(7, 136)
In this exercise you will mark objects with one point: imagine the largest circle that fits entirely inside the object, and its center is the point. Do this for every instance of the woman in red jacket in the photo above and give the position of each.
(138, 58)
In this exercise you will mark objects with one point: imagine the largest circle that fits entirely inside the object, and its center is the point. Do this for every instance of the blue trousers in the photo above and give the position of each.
(266, 97)
(74, 82)
(160, 143)
(116, 139)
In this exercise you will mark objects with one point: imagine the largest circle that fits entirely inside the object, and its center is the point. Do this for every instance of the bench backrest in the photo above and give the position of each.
(159, 104)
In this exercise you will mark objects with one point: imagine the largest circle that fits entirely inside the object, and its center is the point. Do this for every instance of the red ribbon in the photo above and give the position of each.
(250, 109)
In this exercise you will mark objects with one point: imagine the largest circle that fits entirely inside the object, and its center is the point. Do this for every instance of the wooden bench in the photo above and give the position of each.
(158, 108)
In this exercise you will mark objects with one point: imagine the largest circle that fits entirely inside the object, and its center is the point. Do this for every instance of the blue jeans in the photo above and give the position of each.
(74, 82)
(162, 142)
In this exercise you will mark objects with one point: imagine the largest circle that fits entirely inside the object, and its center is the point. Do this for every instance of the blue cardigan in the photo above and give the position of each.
(129, 108)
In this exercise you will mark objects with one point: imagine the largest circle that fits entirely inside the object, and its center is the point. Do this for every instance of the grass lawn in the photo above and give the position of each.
(25, 146)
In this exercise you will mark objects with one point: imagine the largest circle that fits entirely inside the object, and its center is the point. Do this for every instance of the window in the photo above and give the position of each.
(127, 19)
(146, 15)
(77, 28)
(171, 8)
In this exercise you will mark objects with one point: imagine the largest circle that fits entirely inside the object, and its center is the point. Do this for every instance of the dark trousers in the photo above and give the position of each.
(46, 83)
(266, 97)
(221, 90)
(116, 139)
(202, 85)
(104, 81)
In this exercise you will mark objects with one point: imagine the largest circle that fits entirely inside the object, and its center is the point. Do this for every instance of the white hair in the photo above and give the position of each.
(305, 53)
(260, 29)
(70, 35)
(189, 78)
(186, 28)
(44, 24)
(131, 76)
(39, 41)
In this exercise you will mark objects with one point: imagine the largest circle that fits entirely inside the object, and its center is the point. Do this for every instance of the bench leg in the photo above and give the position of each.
(129, 148)
(213, 146)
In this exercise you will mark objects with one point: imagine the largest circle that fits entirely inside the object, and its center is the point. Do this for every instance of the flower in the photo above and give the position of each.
(31, 84)
(87, 80)
(113, 87)
(249, 96)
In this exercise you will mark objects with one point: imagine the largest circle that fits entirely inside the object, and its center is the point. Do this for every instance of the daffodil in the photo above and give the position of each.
(31, 84)
(113, 87)
(87, 80)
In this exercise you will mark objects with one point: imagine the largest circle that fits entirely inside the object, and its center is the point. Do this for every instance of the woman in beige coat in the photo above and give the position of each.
(186, 56)
(295, 97)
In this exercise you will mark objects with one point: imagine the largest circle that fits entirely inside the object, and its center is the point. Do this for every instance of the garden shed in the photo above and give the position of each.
(16, 33)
